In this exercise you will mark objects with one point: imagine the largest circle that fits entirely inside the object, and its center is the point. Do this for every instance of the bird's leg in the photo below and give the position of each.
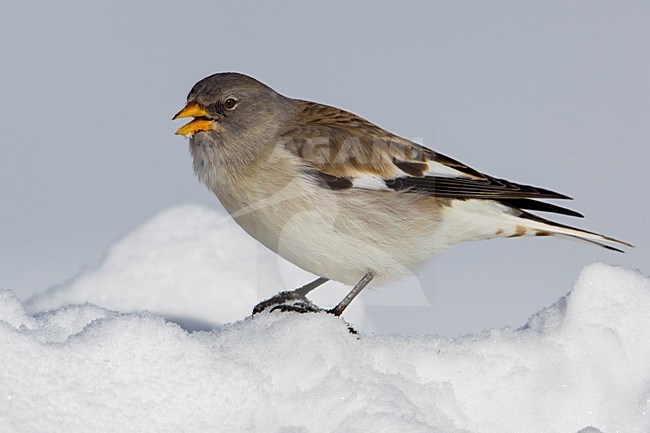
(294, 300)
(311, 286)
(353, 294)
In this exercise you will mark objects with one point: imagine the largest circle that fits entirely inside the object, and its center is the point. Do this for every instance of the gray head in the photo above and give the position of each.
(229, 104)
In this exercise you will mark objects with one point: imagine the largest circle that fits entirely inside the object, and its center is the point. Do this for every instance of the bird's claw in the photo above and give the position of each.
(287, 301)
(298, 307)
(292, 301)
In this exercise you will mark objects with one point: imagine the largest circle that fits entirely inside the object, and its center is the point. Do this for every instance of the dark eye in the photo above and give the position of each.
(230, 103)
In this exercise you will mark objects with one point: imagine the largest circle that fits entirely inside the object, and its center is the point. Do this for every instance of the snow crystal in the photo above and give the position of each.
(578, 366)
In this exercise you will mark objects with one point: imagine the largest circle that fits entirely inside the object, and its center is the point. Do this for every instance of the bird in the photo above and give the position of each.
(343, 198)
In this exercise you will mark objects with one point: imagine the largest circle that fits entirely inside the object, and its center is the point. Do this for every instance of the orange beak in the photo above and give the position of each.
(201, 121)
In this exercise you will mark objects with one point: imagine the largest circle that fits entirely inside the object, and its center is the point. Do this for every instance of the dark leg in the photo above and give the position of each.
(353, 294)
(294, 300)
(311, 286)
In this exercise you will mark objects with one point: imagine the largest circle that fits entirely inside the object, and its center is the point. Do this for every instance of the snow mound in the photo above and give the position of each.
(581, 365)
(192, 265)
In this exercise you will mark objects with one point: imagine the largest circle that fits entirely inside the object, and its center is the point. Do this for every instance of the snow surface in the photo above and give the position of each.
(582, 365)
(195, 266)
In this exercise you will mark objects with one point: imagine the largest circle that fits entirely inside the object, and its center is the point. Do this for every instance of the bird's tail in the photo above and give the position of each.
(489, 219)
(533, 225)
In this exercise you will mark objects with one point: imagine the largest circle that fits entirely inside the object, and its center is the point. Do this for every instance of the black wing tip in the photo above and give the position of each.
(556, 195)
(540, 206)
(537, 191)
(611, 248)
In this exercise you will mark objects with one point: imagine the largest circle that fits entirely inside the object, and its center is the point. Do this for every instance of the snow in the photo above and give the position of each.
(158, 337)
(192, 265)
(581, 365)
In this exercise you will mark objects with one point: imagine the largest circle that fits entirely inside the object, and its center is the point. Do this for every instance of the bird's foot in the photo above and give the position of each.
(287, 301)
(298, 307)
(293, 301)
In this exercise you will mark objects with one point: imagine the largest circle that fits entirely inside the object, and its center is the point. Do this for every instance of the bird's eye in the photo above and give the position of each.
(230, 103)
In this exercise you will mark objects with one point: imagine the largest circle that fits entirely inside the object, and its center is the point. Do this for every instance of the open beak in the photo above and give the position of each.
(201, 121)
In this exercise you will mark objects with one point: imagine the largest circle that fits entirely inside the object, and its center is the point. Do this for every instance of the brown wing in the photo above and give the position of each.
(343, 144)
(345, 151)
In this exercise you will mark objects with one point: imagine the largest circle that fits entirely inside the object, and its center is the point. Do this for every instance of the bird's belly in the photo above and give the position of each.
(334, 234)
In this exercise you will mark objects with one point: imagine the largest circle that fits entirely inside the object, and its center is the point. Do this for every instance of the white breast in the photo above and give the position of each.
(339, 235)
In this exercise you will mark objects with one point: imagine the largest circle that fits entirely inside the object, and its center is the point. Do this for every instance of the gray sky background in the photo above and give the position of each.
(554, 94)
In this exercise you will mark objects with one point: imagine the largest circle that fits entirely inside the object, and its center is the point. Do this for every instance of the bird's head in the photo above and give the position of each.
(229, 104)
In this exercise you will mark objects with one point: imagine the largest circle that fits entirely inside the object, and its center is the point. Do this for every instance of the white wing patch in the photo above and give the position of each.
(441, 170)
(365, 181)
